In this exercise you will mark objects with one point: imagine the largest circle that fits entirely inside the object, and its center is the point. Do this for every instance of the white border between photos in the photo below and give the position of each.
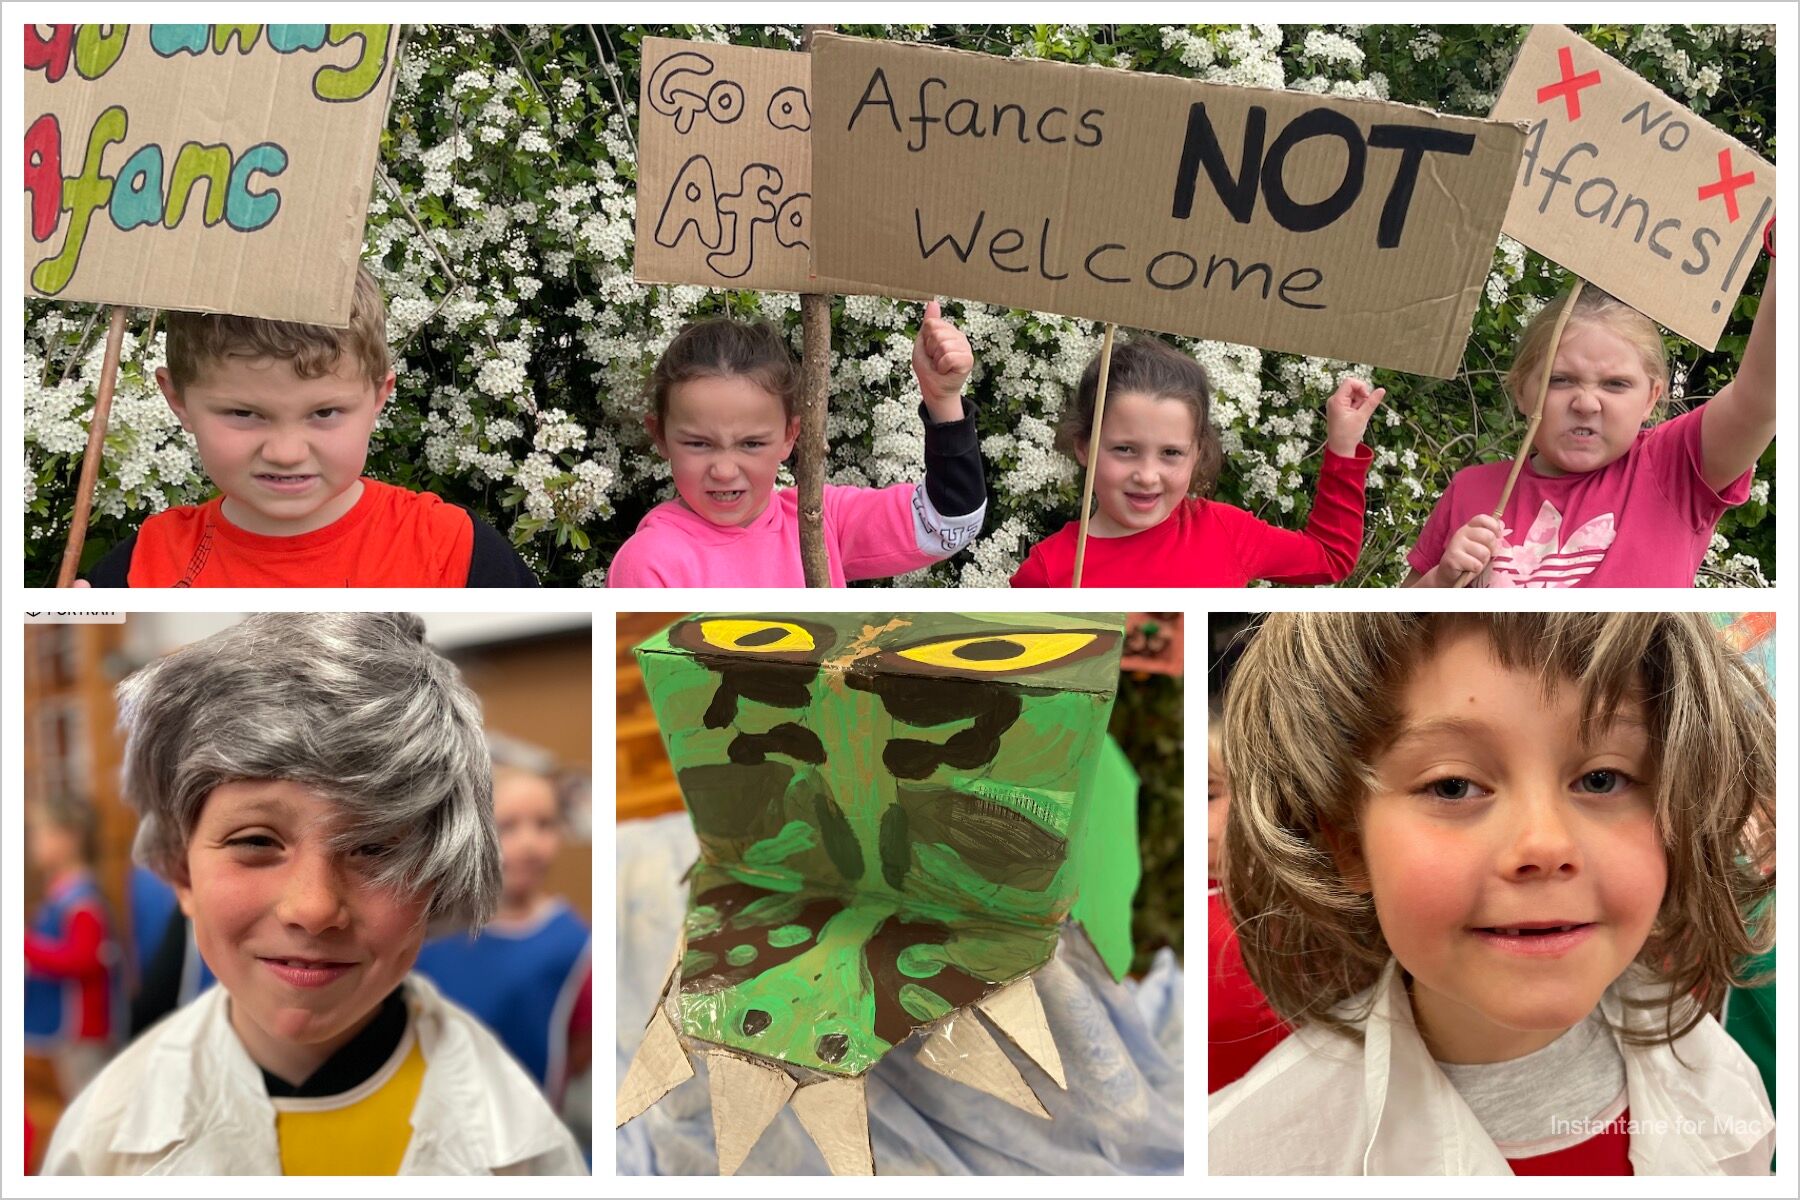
(1195, 604)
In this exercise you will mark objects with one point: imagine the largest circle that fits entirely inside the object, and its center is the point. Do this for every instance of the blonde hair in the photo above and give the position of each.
(197, 339)
(1315, 699)
(1593, 307)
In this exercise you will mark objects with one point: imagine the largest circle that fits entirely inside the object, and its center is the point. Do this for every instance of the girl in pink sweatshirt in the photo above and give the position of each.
(724, 411)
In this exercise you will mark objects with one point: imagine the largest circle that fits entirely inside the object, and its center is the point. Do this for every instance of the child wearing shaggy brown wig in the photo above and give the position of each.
(1495, 870)
(724, 411)
(1159, 457)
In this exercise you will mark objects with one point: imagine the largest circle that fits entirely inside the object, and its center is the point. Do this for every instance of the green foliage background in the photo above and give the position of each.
(524, 340)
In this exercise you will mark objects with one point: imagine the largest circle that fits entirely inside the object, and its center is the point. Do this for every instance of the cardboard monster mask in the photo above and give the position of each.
(896, 814)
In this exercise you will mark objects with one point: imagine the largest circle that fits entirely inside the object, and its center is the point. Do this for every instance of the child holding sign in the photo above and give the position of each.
(1604, 502)
(724, 399)
(281, 414)
(1158, 447)
(1495, 870)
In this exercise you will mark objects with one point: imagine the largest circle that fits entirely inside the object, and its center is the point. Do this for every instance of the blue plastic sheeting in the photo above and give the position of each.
(1121, 1047)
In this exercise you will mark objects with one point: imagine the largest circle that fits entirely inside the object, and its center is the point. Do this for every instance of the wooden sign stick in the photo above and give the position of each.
(96, 448)
(1537, 414)
(815, 397)
(1093, 454)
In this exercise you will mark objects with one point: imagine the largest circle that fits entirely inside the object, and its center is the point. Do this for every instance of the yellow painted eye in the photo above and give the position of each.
(758, 637)
(998, 652)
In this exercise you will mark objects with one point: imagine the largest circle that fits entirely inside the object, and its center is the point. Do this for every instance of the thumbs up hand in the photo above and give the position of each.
(942, 360)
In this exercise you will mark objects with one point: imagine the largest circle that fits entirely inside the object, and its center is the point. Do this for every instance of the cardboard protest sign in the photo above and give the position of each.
(209, 167)
(1630, 190)
(725, 168)
(1353, 229)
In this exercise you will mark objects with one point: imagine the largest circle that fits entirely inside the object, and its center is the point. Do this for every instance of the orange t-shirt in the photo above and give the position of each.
(392, 538)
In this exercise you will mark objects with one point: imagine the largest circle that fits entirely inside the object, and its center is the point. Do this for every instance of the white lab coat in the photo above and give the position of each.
(185, 1099)
(1322, 1104)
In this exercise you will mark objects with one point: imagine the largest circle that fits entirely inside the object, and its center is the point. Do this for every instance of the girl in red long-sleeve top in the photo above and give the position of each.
(70, 955)
(1159, 453)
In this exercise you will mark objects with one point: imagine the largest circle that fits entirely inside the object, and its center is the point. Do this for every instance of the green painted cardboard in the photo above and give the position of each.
(894, 813)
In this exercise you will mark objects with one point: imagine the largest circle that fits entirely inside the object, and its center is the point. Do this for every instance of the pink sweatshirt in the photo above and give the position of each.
(870, 533)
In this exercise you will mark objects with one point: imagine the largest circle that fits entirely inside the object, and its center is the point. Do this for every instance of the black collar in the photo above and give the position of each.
(356, 1060)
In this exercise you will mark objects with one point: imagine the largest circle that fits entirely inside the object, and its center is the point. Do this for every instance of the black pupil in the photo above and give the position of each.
(833, 1046)
(992, 650)
(762, 637)
(755, 1021)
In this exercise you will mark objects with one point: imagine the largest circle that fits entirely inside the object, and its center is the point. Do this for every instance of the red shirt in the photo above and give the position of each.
(1240, 1025)
(1207, 544)
(392, 538)
(1606, 1153)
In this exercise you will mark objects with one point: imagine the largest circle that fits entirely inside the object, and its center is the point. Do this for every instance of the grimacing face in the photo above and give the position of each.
(885, 812)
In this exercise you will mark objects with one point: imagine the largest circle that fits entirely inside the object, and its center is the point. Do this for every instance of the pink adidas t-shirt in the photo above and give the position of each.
(1643, 520)
(870, 533)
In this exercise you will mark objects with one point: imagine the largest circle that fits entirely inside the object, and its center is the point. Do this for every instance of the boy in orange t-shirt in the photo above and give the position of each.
(281, 414)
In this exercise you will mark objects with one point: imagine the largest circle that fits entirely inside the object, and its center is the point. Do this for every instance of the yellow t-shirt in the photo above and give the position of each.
(364, 1131)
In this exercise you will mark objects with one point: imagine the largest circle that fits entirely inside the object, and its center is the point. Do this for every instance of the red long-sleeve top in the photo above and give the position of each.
(1207, 544)
(78, 954)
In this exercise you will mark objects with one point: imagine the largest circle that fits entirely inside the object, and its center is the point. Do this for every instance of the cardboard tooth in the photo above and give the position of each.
(745, 1098)
(835, 1114)
(961, 1049)
(1019, 1013)
(1630, 190)
(1346, 228)
(240, 160)
(660, 1064)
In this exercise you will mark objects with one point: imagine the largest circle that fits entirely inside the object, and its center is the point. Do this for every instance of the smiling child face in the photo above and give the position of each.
(1516, 870)
(306, 945)
(1148, 447)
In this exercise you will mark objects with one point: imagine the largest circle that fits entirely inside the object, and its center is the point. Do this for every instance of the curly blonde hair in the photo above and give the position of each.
(1315, 699)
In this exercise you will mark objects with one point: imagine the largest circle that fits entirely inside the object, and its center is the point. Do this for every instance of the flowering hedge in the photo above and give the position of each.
(501, 226)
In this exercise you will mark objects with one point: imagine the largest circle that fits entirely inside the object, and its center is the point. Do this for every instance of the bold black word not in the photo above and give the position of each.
(965, 117)
(1267, 170)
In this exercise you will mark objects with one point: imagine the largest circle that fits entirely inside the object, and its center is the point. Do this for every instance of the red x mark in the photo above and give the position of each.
(1570, 87)
(1728, 184)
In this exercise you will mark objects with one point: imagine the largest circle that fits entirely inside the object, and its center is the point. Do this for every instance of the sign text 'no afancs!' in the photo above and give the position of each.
(215, 167)
(1352, 229)
(1630, 190)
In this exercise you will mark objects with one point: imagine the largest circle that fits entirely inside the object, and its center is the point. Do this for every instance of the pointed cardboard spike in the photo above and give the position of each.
(962, 1049)
(1019, 1013)
(674, 970)
(836, 1116)
(745, 1098)
(660, 1064)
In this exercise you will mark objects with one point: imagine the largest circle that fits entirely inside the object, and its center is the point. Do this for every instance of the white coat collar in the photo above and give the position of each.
(1690, 1112)
(462, 1124)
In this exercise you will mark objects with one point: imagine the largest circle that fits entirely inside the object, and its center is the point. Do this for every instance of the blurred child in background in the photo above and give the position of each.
(71, 960)
(523, 973)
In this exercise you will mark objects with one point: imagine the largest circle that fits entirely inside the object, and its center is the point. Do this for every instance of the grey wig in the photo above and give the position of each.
(353, 705)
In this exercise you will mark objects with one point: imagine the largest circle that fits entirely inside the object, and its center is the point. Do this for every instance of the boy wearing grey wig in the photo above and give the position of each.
(317, 789)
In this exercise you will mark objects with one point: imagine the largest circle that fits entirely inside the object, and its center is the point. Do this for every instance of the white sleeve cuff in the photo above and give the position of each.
(938, 535)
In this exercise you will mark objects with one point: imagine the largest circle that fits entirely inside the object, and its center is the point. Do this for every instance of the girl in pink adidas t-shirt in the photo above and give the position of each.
(1602, 501)
(724, 411)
